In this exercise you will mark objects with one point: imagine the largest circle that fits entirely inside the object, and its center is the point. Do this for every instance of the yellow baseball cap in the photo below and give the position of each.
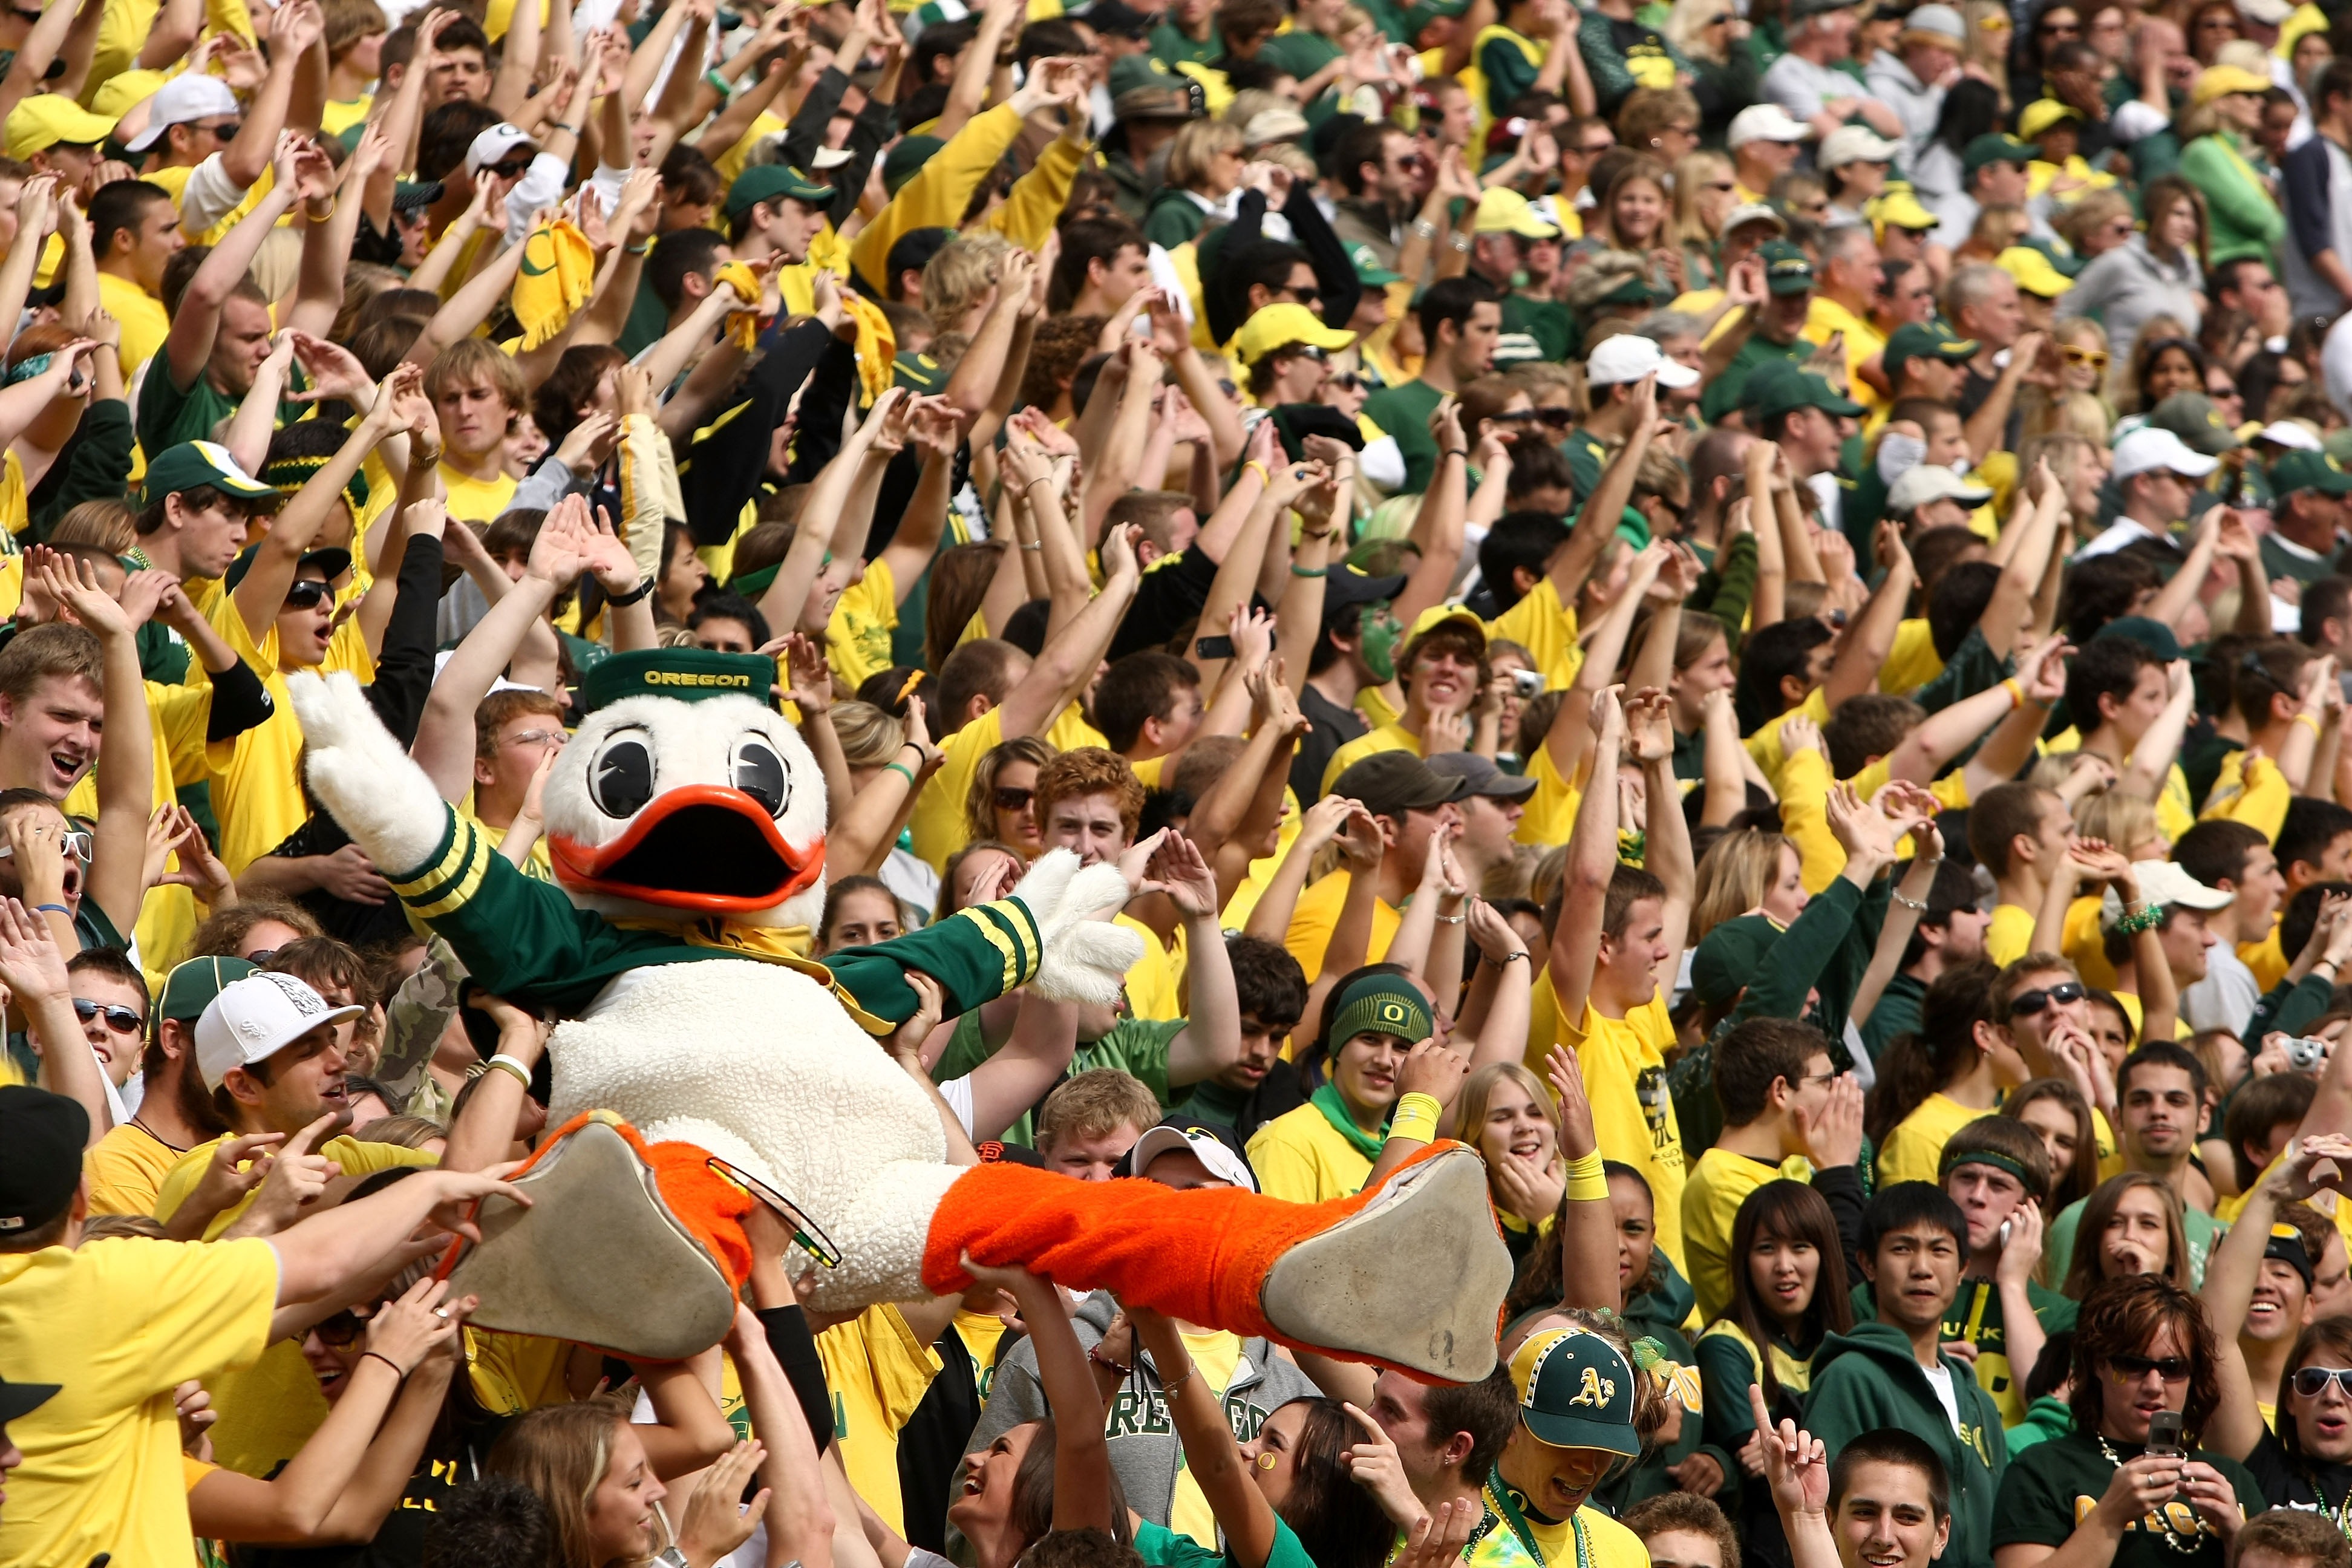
(2034, 271)
(1278, 326)
(1899, 209)
(2041, 114)
(47, 118)
(1436, 615)
(1504, 211)
(2220, 81)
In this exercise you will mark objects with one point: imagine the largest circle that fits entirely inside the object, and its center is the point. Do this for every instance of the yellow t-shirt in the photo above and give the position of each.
(2265, 958)
(1863, 343)
(145, 323)
(937, 823)
(1216, 1354)
(476, 500)
(2010, 936)
(1549, 815)
(1608, 1544)
(270, 1408)
(1911, 662)
(1913, 1152)
(2130, 1002)
(1719, 1183)
(982, 1334)
(125, 1169)
(538, 867)
(1764, 745)
(1623, 1064)
(256, 776)
(341, 113)
(1154, 984)
(858, 638)
(1317, 912)
(877, 1372)
(117, 1324)
(177, 717)
(2080, 940)
(1300, 1157)
(1385, 738)
(1546, 628)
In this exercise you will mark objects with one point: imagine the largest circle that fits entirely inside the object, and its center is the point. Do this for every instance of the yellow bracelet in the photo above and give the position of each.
(2307, 718)
(1587, 1181)
(2016, 693)
(1261, 468)
(1416, 1117)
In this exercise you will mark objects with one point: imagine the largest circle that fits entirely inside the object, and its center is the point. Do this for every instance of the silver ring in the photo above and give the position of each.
(441, 1312)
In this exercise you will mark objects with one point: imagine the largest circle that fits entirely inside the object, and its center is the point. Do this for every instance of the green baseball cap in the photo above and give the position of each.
(1368, 270)
(2151, 634)
(1731, 955)
(2197, 420)
(1781, 387)
(767, 181)
(1924, 340)
(1576, 1391)
(2310, 471)
(1786, 268)
(191, 986)
(1380, 1004)
(1992, 147)
(905, 161)
(192, 464)
(689, 674)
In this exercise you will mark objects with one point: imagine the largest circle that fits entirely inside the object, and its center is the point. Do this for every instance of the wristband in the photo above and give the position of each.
(1094, 1355)
(505, 1063)
(2016, 693)
(644, 249)
(1299, 571)
(54, 909)
(387, 1360)
(1416, 1117)
(1587, 1181)
(623, 601)
(2307, 718)
(1262, 473)
(900, 769)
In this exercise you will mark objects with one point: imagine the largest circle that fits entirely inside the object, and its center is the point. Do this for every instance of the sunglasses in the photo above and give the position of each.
(228, 133)
(2132, 1368)
(308, 594)
(1347, 380)
(1558, 418)
(1011, 799)
(2029, 1003)
(2095, 358)
(77, 843)
(121, 1019)
(341, 1331)
(2310, 1380)
(1306, 295)
(511, 168)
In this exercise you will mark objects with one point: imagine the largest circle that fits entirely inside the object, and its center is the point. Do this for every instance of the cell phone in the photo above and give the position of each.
(1214, 647)
(2004, 1233)
(2164, 1435)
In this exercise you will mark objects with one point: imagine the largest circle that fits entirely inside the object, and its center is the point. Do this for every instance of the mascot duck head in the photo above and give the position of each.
(685, 796)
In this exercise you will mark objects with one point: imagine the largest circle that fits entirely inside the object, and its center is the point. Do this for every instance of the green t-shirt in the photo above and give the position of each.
(1163, 1547)
(1138, 1046)
(1300, 53)
(2052, 1484)
(1404, 413)
(1587, 455)
(2202, 1229)
(1724, 393)
(1545, 321)
(1171, 47)
(169, 415)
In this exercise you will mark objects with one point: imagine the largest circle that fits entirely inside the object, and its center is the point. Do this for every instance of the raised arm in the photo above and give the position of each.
(1081, 1455)
(261, 593)
(1591, 864)
(1070, 656)
(126, 769)
(1211, 1457)
(1871, 637)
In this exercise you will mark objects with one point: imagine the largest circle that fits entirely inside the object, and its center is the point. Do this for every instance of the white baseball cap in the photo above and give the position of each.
(2269, 13)
(184, 100)
(1629, 357)
(1766, 122)
(493, 144)
(2161, 885)
(1754, 212)
(1941, 20)
(2147, 449)
(1216, 1155)
(255, 1019)
(2288, 433)
(1855, 144)
(1925, 482)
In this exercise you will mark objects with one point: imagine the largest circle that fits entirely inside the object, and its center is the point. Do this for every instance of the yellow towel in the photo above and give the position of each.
(558, 269)
(742, 326)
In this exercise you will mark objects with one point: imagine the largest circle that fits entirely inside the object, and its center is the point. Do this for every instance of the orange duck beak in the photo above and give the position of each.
(701, 847)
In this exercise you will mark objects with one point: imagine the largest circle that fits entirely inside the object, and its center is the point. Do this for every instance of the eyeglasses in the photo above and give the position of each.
(2132, 1368)
(121, 1019)
(537, 738)
(2029, 1003)
(341, 1331)
(2095, 358)
(1597, 149)
(1011, 799)
(76, 843)
(308, 594)
(2309, 1381)
(2066, 29)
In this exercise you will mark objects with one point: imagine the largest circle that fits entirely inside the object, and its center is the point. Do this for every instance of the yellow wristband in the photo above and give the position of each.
(1587, 1182)
(1416, 1117)
(1262, 473)
(2307, 718)
(2016, 693)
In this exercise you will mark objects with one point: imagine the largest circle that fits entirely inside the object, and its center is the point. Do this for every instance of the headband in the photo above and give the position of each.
(1993, 1157)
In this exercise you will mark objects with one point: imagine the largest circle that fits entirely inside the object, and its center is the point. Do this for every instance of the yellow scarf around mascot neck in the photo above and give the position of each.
(787, 945)
(558, 270)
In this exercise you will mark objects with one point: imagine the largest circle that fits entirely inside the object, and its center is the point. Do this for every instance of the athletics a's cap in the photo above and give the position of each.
(1576, 1391)
(689, 674)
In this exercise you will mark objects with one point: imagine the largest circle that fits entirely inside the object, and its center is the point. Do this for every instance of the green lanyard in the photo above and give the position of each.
(1503, 1504)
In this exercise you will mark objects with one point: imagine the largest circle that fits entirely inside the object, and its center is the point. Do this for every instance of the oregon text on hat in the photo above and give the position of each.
(695, 678)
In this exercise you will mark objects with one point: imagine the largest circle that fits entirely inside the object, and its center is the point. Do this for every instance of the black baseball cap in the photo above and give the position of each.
(41, 1139)
(1391, 784)
(23, 1398)
(1350, 585)
(1481, 775)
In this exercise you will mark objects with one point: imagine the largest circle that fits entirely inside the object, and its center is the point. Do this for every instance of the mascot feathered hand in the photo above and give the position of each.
(703, 1066)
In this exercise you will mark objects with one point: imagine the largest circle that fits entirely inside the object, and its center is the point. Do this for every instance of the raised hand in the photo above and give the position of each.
(1576, 1135)
(1795, 1464)
(408, 1329)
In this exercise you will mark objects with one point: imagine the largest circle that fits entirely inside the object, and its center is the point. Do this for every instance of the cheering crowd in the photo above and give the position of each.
(1738, 605)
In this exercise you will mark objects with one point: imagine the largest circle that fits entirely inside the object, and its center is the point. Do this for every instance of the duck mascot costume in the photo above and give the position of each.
(702, 1065)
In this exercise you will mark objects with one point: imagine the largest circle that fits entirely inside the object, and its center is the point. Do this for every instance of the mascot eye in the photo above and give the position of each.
(759, 774)
(621, 779)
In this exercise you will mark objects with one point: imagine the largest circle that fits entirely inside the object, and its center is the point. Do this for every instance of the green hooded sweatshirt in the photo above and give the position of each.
(1869, 1378)
(2047, 1417)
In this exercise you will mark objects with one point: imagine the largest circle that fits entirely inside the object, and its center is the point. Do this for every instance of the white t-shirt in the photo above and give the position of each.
(1940, 1378)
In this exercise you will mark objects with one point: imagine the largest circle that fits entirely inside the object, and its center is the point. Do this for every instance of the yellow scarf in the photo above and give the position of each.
(787, 945)
(558, 269)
